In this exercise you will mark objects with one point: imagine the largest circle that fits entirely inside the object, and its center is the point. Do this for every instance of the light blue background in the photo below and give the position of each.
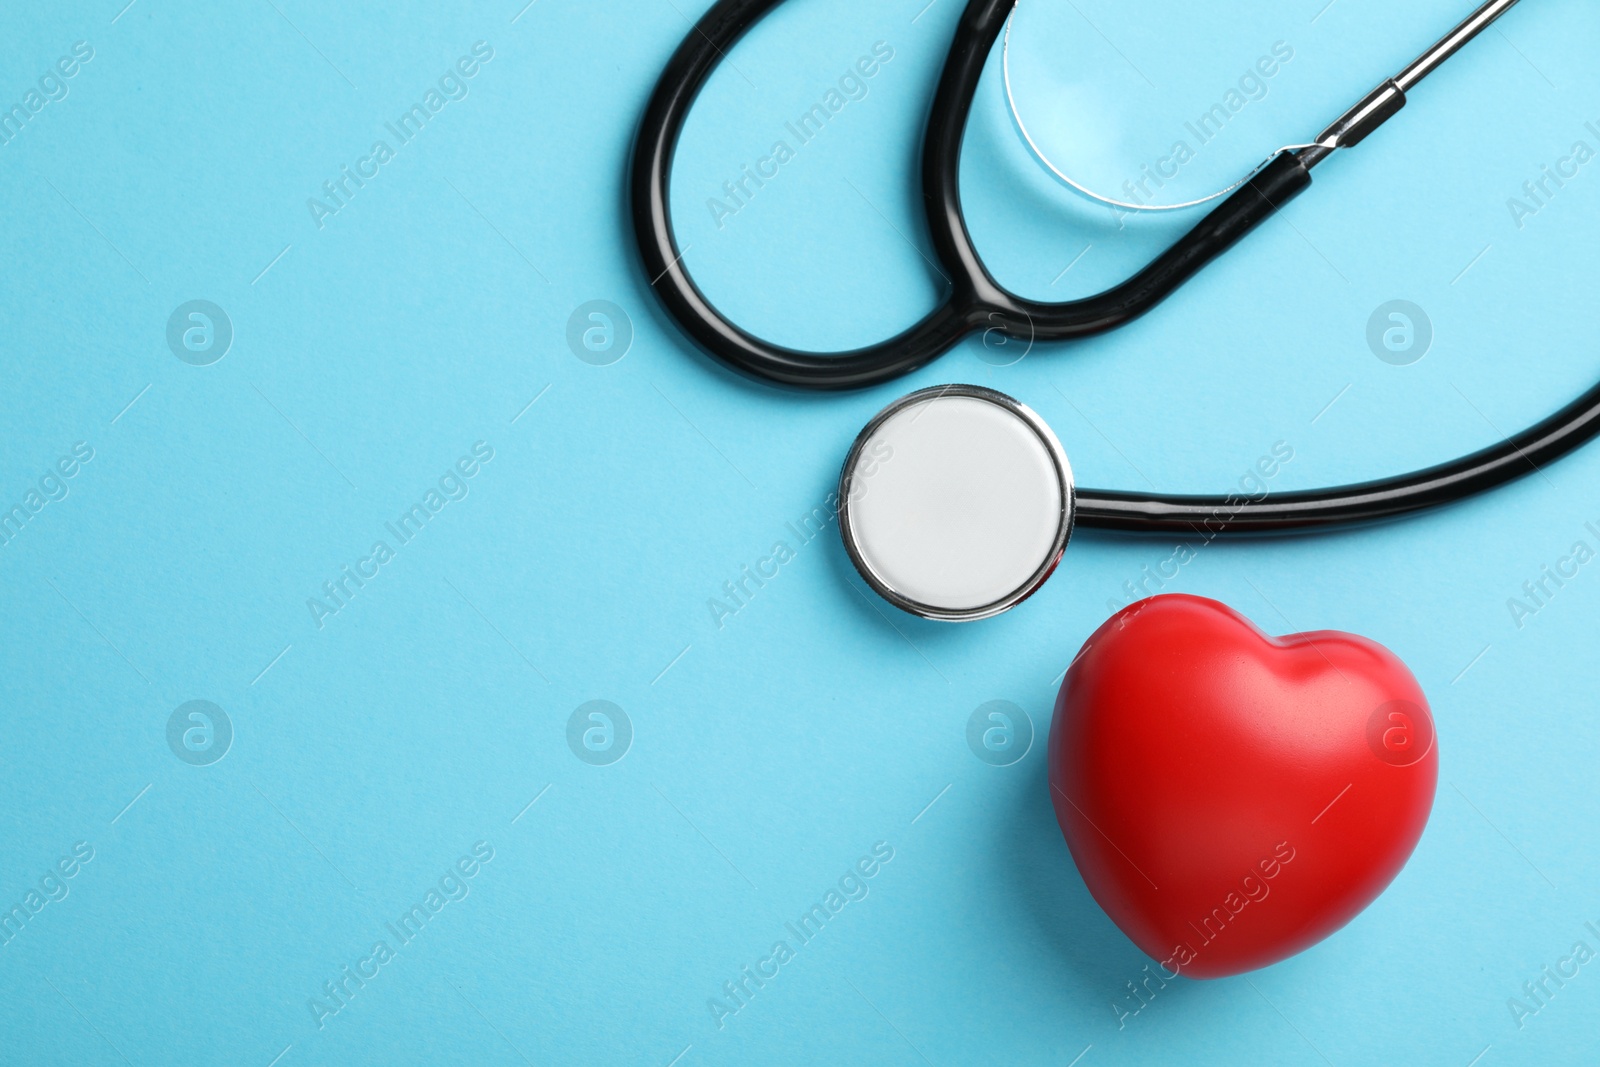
(770, 753)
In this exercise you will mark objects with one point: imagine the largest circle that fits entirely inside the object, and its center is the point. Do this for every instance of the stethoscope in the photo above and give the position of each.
(956, 502)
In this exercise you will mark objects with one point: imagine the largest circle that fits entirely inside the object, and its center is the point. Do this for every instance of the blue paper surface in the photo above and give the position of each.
(405, 356)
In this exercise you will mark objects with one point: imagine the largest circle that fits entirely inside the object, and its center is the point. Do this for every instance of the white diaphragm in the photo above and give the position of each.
(956, 503)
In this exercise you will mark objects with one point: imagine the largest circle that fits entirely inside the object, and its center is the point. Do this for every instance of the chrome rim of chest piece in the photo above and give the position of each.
(956, 503)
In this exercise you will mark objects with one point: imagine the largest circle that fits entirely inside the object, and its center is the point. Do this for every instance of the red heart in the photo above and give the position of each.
(1233, 798)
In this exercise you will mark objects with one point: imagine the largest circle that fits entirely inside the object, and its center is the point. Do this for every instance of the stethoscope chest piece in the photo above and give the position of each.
(956, 503)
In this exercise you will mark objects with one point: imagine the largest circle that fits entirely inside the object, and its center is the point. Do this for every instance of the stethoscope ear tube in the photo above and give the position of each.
(1526, 453)
(975, 300)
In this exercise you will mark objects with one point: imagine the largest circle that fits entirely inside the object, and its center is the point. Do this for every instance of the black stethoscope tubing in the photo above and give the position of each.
(976, 301)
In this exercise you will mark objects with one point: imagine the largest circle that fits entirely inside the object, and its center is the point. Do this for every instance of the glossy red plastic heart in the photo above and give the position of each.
(1233, 798)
